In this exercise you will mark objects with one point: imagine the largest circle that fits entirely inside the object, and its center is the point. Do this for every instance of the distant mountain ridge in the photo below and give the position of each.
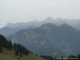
(8, 30)
(11, 28)
(21, 24)
(49, 39)
(58, 22)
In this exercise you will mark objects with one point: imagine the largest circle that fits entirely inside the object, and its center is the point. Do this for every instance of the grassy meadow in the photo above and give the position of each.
(10, 55)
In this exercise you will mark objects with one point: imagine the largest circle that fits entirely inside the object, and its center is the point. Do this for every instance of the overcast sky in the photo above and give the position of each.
(13, 11)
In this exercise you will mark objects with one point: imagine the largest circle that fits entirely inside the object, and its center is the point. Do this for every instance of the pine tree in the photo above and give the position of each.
(21, 54)
(3, 41)
(1, 49)
(78, 56)
(68, 56)
(61, 57)
(15, 46)
(17, 52)
(10, 45)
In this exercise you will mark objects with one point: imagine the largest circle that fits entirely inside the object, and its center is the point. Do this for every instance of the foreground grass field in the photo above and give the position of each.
(66, 59)
(9, 55)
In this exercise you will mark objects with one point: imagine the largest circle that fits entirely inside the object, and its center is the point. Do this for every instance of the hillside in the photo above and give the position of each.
(14, 51)
(49, 39)
(9, 55)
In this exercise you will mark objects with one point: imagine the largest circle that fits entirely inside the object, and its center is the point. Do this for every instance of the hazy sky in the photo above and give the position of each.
(12, 11)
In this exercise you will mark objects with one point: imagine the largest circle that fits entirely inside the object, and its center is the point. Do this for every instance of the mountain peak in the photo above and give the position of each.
(48, 26)
(66, 26)
(35, 21)
(59, 18)
(49, 18)
(9, 25)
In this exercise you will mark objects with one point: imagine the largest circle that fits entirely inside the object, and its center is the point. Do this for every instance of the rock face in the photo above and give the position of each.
(49, 39)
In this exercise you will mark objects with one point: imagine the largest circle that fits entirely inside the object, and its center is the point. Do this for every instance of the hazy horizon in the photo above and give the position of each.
(14, 11)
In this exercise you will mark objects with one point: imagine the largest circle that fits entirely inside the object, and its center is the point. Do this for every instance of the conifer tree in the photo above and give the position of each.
(21, 54)
(17, 52)
(10, 45)
(1, 49)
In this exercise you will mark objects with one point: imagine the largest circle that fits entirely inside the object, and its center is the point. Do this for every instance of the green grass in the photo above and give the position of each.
(10, 55)
(67, 59)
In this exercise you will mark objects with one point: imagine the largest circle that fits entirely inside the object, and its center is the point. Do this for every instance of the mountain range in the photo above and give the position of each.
(49, 39)
(73, 22)
(11, 28)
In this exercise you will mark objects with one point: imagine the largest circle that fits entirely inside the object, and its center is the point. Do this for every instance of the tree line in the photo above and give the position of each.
(55, 58)
(18, 48)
